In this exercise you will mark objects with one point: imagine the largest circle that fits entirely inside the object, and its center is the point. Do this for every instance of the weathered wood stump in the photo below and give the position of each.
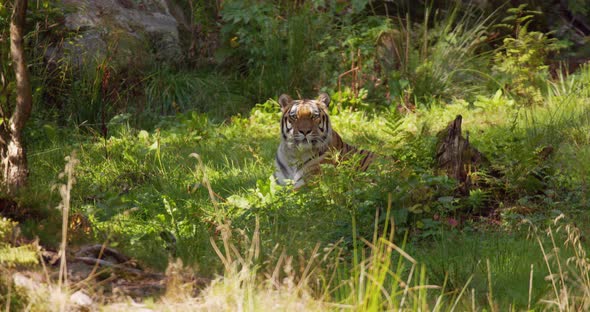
(455, 156)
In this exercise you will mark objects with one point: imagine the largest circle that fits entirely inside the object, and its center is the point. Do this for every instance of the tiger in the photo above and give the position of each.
(308, 140)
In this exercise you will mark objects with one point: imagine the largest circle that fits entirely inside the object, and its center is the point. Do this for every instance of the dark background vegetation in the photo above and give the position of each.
(238, 53)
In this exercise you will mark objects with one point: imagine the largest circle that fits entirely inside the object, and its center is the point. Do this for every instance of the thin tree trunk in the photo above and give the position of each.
(13, 153)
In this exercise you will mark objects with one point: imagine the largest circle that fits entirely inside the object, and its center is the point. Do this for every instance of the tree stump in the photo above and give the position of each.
(455, 156)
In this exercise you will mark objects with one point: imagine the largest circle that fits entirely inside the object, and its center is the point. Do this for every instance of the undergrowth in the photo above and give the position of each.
(141, 191)
(176, 164)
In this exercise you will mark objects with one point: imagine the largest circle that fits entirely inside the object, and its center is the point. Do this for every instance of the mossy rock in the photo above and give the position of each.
(126, 34)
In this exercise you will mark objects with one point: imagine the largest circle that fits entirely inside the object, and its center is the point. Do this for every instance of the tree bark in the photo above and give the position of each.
(455, 156)
(12, 151)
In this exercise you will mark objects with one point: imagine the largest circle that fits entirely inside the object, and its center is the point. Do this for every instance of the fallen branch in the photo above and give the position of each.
(121, 267)
(100, 251)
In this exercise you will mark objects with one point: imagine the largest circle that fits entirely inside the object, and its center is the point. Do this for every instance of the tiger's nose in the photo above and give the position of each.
(305, 132)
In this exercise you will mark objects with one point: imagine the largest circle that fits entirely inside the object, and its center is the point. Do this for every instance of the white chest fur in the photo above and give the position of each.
(294, 164)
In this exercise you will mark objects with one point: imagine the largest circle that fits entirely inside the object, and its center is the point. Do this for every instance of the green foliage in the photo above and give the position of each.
(170, 91)
(415, 63)
(523, 55)
(22, 255)
(395, 82)
(456, 258)
(11, 256)
(40, 32)
(346, 99)
(143, 192)
(275, 45)
(6, 229)
(578, 6)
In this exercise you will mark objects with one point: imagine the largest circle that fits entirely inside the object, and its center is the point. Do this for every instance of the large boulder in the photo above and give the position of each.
(127, 32)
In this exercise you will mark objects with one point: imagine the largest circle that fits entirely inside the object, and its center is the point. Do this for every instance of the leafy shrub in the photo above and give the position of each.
(416, 63)
(521, 59)
(274, 45)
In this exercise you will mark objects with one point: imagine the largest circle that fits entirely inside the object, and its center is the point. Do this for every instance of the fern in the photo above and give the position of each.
(521, 60)
(12, 256)
(22, 255)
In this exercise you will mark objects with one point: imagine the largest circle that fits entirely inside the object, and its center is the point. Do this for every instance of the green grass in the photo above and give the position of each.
(139, 186)
(183, 169)
(461, 256)
(169, 91)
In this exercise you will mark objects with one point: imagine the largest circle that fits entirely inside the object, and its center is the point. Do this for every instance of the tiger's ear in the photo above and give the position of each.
(285, 100)
(324, 98)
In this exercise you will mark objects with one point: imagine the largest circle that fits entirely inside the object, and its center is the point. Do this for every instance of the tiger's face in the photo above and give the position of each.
(305, 123)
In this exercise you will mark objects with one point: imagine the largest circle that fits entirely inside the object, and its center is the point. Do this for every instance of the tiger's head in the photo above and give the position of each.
(305, 123)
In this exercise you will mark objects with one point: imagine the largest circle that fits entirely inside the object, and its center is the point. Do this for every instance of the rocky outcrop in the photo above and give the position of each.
(127, 32)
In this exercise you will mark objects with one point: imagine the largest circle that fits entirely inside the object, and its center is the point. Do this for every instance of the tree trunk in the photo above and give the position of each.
(12, 150)
(15, 162)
